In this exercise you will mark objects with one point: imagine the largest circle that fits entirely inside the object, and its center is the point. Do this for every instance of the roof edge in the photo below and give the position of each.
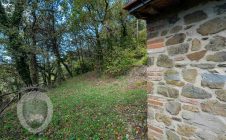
(131, 4)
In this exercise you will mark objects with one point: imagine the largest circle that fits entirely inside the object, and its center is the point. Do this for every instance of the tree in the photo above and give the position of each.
(10, 26)
(91, 16)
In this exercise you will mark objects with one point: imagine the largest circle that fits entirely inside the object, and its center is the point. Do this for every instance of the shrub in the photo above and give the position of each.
(82, 67)
(120, 62)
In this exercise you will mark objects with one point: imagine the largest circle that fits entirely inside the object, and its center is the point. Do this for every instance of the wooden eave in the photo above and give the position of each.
(144, 9)
(131, 4)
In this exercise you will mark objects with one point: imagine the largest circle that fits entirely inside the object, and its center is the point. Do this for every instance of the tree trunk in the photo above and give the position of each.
(60, 75)
(22, 67)
(48, 70)
(34, 69)
(21, 59)
(34, 65)
(33, 59)
(55, 47)
(99, 55)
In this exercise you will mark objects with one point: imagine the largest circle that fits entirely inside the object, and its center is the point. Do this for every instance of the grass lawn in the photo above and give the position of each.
(88, 108)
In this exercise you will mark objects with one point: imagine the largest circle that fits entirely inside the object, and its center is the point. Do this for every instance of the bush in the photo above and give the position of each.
(120, 62)
(83, 67)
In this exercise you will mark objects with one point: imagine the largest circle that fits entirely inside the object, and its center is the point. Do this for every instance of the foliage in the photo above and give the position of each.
(82, 67)
(120, 61)
(48, 41)
(9, 79)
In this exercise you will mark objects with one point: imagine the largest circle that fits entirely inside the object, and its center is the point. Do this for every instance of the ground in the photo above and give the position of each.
(86, 107)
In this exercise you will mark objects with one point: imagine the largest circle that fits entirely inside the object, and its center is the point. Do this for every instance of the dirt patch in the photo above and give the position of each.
(93, 79)
(137, 78)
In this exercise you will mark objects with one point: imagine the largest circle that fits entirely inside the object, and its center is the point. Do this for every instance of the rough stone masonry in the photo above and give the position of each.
(187, 98)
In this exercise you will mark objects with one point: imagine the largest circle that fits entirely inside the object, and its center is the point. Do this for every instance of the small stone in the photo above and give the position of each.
(205, 121)
(149, 87)
(153, 34)
(186, 130)
(212, 26)
(193, 92)
(180, 58)
(216, 44)
(164, 61)
(206, 135)
(173, 108)
(177, 119)
(214, 107)
(169, 36)
(172, 77)
(189, 39)
(221, 65)
(213, 71)
(183, 138)
(161, 83)
(176, 29)
(168, 92)
(221, 95)
(190, 108)
(205, 38)
(164, 32)
(213, 81)
(150, 61)
(163, 118)
(178, 49)
(150, 113)
(197, 55)
(195, 17)
(204, 66)
(180, 65)
(217, 57)
(176, 39)
(188, 27)
(171, 135)
(190, 75)
(196, 45)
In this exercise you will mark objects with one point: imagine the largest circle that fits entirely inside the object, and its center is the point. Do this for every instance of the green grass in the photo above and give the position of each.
(88, 108)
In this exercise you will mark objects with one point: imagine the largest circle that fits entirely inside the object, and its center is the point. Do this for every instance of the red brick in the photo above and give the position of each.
(155, 46)
(159, 40)
(160, 99)
(155, 102)
(156, 43)
(189, 101)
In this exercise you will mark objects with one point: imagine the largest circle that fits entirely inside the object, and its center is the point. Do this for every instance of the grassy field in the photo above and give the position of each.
(89, 108)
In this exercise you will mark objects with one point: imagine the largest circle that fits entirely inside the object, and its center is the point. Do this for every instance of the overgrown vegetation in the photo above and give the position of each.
(46, 42)
(89, 108)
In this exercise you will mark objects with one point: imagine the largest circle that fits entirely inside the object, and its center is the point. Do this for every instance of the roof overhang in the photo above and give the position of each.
(153, 8)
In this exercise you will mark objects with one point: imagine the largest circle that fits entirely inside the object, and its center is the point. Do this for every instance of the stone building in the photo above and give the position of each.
(186, 45)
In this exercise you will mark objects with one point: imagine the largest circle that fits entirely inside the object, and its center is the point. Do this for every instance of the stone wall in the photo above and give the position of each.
(187, 74)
